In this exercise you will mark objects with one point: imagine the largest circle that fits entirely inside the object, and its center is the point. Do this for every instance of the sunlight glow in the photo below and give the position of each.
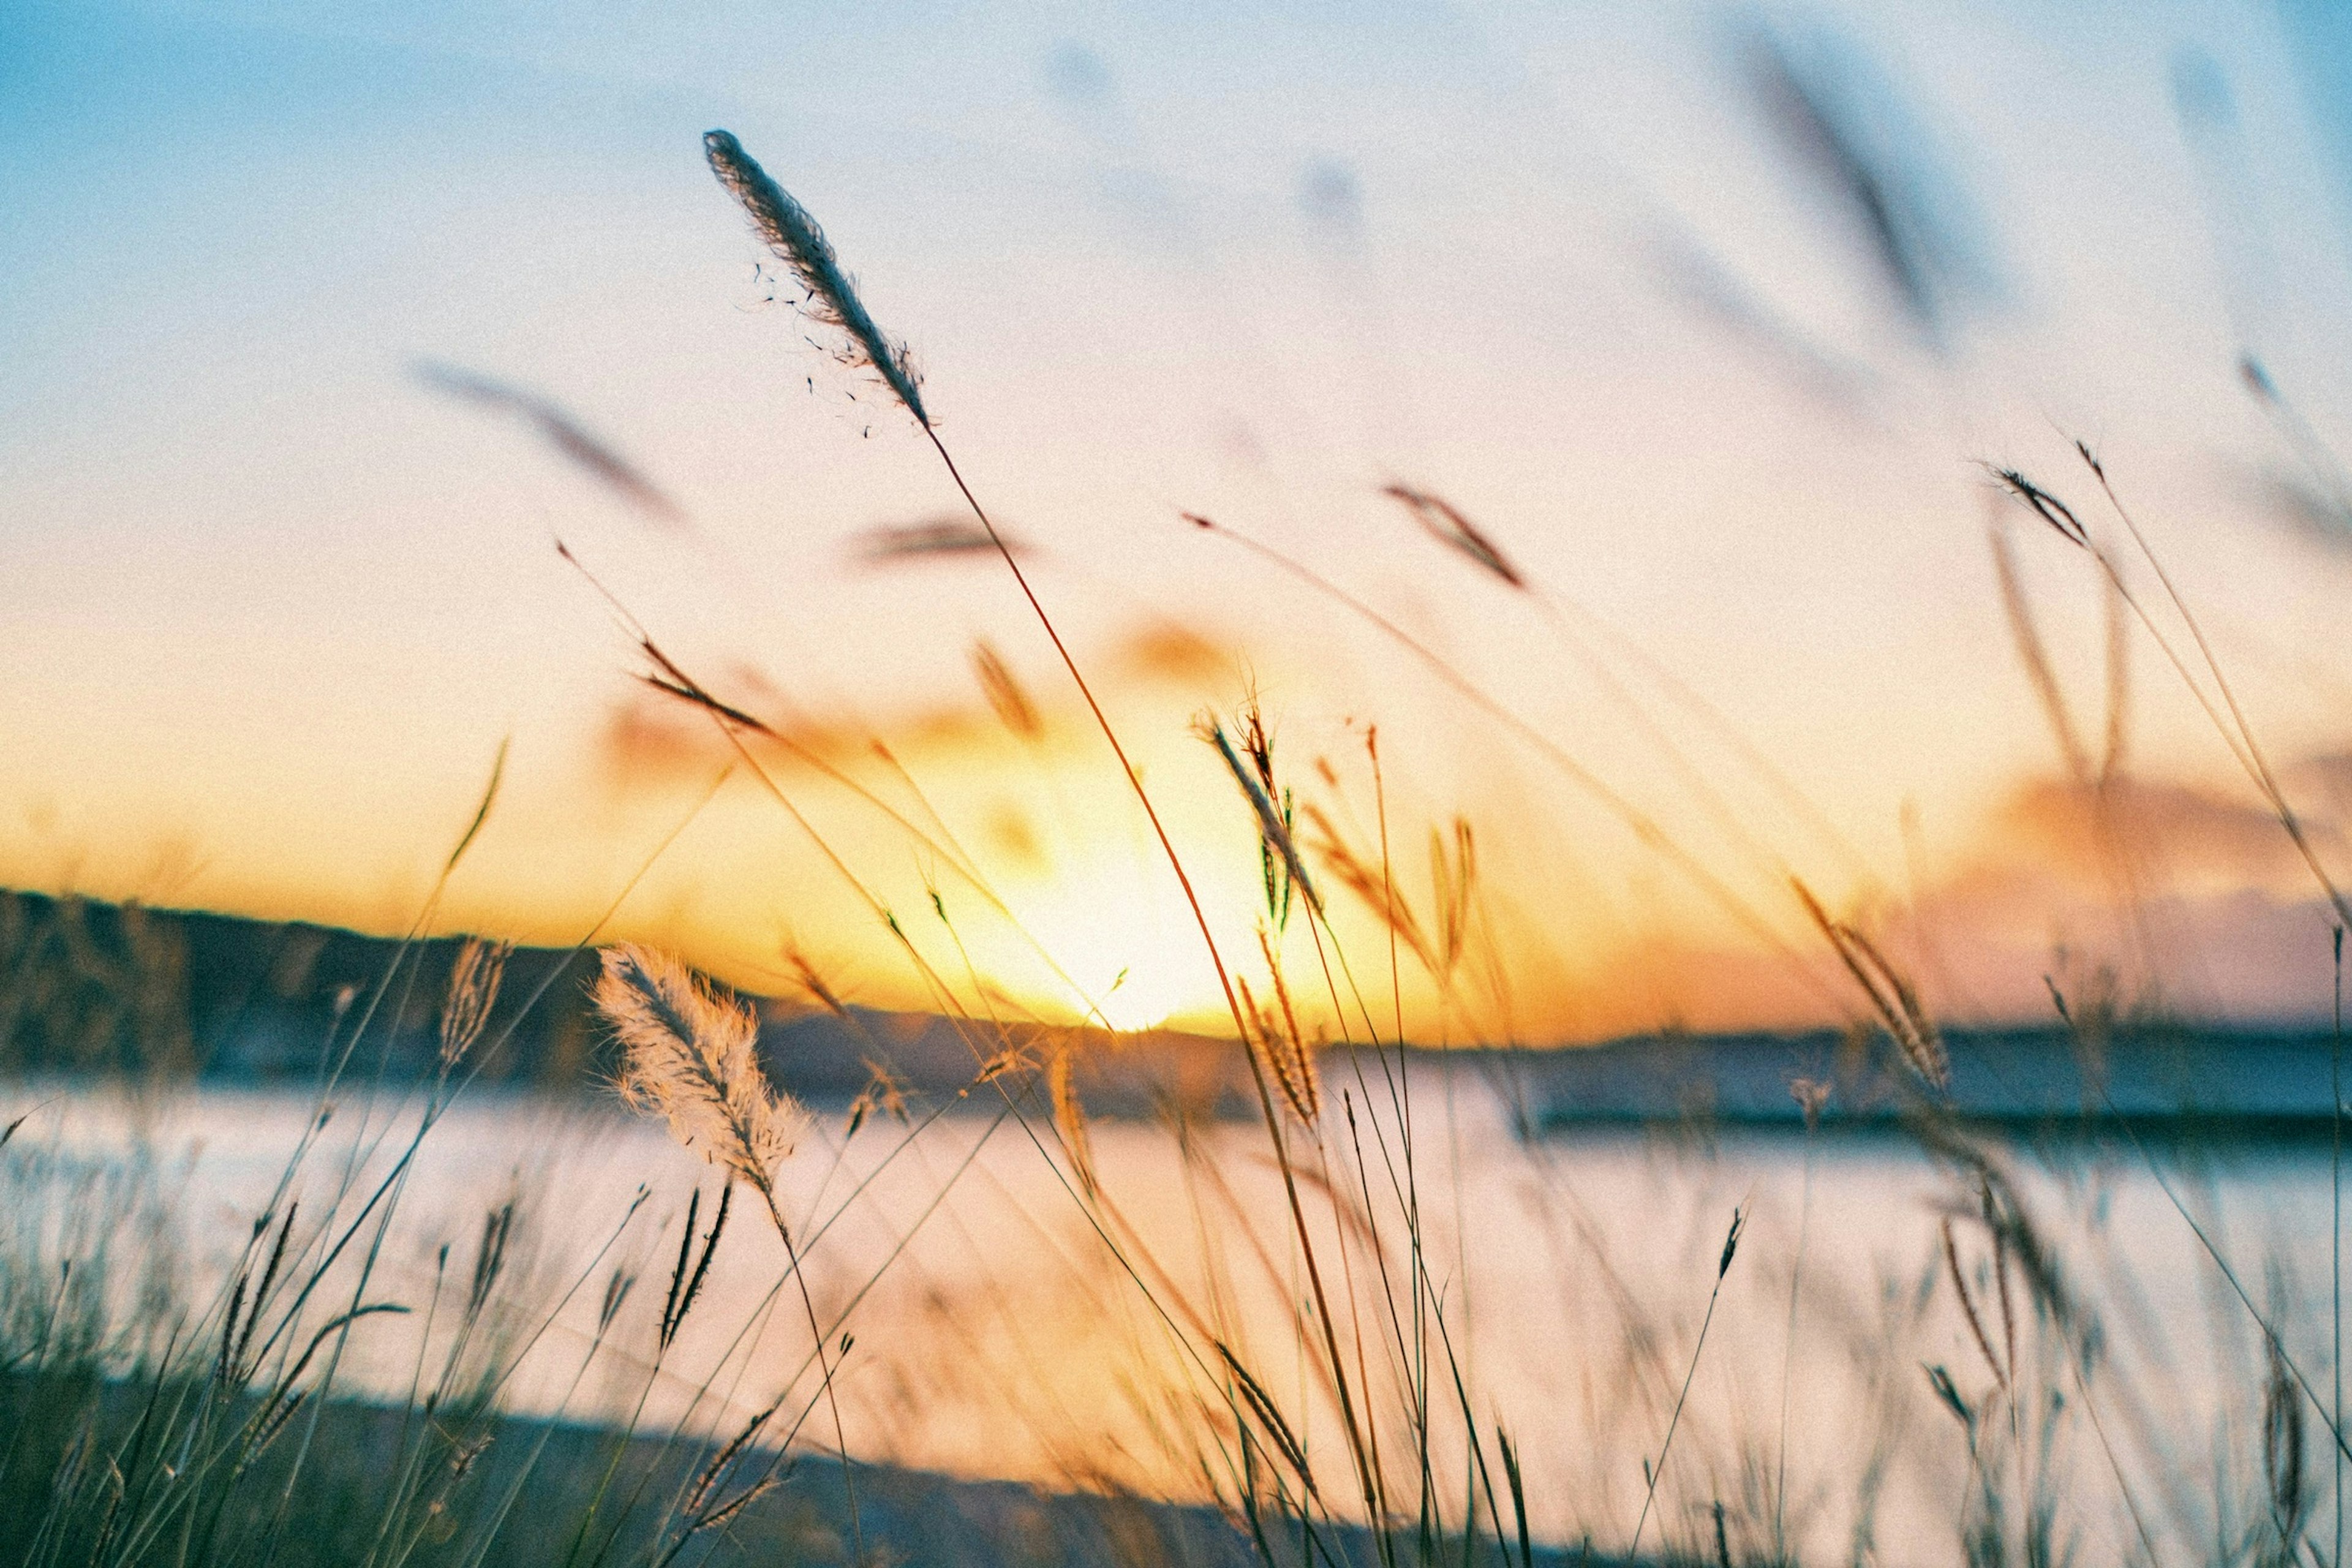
(1138, 967)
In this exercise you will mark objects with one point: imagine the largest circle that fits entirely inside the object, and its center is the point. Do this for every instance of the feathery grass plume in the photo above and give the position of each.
(616, 1292)
(786, 228)
(2325, 503)
(1257, 743)
(1013, 1060)
(1445, 524)
(684, 1261)
(473, 991)
(668, 677)
(2257, 377)
(1519, 1495)
(1262, 1037)
(814, 982)
(690, 692)
(221, 1362)
(2015, 1235)
(481, 814)
(1006, 697)
(692, 1057)
(566, 433)
(1916, 1032)
(707, 1481)
(2001, 1276)
(1892, 998)
(1948, 1392)
(1270, 1418)
(241, 1371)
(490, 1255)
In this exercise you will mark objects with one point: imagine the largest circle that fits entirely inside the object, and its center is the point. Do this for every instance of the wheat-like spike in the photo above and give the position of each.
(1369, 883)
(1271, 826)
(1921, 1041)
(1445, 524)
(692, 1057)
(1293, 1058)
(2047, 507)
(1452, 883)
(1892, 998)
(1283, 1059)
(785, 226)
(472, 989)
(1070, 1117)
(1012, 703)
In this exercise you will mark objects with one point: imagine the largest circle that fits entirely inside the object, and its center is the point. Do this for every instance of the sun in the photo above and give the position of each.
(1097, 950)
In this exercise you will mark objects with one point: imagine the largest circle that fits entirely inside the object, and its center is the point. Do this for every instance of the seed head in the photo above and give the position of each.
(472, 989)
(786, 228)
(692, 1057)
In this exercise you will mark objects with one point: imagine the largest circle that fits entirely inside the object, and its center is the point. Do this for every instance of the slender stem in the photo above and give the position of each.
(824, 1371)
(2244, 746)
(1789, 1350)
(1657, 1471)
(2336, 1229)
(1636, 820)
(1356, 1441)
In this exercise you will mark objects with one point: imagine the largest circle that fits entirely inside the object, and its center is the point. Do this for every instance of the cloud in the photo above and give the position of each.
(1166, 650)
(2173, 832)
(2192, 901)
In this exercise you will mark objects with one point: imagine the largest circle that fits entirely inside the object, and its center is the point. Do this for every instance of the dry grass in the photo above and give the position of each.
(1306, 1359)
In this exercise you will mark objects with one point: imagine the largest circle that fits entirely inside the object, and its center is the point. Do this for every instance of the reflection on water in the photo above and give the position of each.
(997, 1333)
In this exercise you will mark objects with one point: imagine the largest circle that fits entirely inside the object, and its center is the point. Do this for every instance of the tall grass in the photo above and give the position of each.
(1298, 1355)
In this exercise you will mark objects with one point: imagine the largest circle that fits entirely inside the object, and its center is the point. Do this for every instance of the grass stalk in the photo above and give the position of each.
(1658, 1470)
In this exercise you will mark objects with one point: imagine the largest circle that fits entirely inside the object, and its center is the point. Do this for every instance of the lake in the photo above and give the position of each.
(1004, 1325)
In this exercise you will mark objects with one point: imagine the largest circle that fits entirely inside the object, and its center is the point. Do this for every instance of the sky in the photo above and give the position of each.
(1713, 321)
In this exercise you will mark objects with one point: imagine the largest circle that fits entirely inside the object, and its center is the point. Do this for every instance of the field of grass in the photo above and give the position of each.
(283, 1386)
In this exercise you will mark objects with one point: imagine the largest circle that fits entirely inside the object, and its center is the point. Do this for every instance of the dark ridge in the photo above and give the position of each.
(88, 987)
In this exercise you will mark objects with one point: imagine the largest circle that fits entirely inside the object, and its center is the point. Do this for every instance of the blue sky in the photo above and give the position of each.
(277, 603)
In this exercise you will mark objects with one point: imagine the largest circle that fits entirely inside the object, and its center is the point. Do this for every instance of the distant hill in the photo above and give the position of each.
(90, 987)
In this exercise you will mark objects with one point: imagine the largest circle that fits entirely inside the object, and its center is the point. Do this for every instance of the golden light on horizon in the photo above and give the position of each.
(1126, 969)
